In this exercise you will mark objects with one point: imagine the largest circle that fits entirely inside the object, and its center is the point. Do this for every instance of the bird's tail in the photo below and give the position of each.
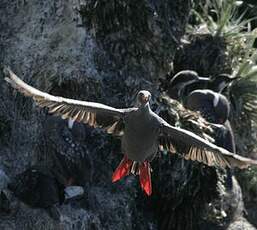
(143, 169)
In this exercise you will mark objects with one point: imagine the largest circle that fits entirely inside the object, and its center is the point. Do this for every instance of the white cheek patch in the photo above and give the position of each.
(215, 100)
(222, 86)
(70, 123)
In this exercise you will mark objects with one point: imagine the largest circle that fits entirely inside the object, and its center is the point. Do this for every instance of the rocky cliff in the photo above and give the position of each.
(103, 51)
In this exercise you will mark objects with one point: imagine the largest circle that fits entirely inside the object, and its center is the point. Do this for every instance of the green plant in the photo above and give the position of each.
(244, 88)
(225, 18)
(221, 17)
(248, 182)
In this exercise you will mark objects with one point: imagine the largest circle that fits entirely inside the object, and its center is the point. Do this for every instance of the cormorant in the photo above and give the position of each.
(215, 108)
(186, 81)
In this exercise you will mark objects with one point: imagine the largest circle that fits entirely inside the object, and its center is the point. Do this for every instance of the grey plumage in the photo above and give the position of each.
(139, 127)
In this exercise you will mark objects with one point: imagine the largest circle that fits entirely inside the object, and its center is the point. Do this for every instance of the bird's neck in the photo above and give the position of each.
(145, 109)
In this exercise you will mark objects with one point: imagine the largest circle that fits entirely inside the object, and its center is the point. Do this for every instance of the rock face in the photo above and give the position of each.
(103, 51)
(96, 50)
(4, 180)
(138, 37)
(209, 54)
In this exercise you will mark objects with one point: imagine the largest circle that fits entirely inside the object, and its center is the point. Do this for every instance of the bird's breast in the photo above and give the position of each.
(140, 139)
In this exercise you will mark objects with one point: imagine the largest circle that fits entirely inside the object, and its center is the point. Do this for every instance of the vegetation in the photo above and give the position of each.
(226, 19)
(233, 23)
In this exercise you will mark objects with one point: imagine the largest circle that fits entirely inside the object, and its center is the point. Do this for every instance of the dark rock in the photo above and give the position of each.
(54, 212)
(205, 54)
(137, 36)
(4, 180)
(4, 203)
(37, 188)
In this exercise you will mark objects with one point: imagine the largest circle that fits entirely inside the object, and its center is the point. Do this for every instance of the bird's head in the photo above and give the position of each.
(183, 83)
(221, 82)
(143, 97)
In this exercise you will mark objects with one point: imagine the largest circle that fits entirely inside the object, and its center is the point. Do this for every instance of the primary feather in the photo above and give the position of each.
(142, 128)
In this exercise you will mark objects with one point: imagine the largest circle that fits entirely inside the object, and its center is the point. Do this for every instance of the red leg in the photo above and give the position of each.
(122, 170)
(145, 177)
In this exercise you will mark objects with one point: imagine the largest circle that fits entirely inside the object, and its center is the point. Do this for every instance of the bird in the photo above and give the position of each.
(140, 129)
(221, 82)
(240, 92)
(215, 108)
(177, 86)
(186, 81)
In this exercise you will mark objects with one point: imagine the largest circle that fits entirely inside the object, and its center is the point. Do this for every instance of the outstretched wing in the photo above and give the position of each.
(198, 149)
(91, 113)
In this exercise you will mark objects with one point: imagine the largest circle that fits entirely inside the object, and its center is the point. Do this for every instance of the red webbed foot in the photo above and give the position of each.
(145, 177)
(123, 169)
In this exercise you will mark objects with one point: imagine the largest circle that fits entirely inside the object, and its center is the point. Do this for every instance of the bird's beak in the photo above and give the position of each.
(204, 79)
(145, 99)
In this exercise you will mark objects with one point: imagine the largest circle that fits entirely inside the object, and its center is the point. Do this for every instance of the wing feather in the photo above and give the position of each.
(91, 113)
(201, 150)
(199, 155)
